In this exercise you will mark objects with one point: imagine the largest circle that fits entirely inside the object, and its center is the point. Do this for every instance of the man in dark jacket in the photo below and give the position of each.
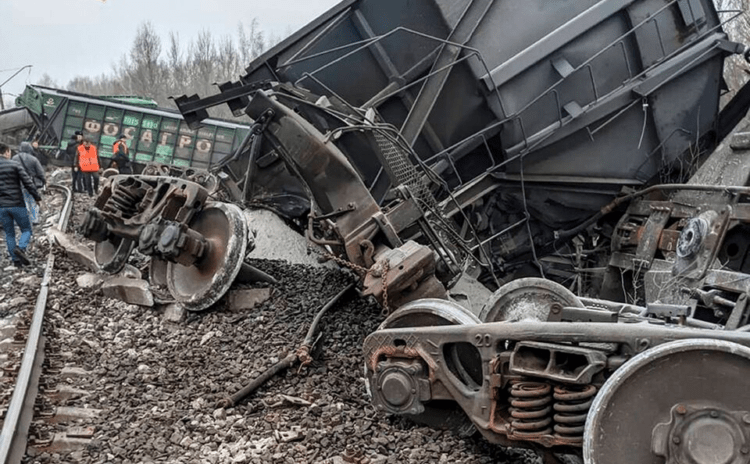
(121, 156)
(34, 169)
(72, 153)
(12, 208)
(38, 154)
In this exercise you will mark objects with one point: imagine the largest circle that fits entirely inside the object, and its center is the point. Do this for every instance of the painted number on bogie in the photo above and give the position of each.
(483, 340)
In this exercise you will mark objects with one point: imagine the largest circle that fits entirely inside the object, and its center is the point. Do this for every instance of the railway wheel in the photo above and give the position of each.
(463, 361)
(527, 298)
(429, 313)
(111, 255)
(682, 402)
(202, 284)
(110, 172)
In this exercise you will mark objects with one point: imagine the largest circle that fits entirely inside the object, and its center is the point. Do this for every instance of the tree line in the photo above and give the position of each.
(161, 70)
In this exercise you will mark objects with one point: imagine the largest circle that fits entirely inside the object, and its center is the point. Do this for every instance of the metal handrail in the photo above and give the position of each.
(11, 451)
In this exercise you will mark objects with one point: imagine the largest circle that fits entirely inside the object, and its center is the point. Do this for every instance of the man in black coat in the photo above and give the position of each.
(12, 207)
(43, 160)
(25, 157)
(72, 154)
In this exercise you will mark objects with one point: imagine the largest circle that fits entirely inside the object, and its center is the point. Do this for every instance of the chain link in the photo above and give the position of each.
(337, 260)
(359, 269)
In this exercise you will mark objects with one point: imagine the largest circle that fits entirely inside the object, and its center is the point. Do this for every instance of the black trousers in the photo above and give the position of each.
(77, 181)
(90, 182)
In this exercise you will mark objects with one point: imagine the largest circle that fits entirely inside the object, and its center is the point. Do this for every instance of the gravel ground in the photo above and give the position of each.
(158, 383)
(19, 287)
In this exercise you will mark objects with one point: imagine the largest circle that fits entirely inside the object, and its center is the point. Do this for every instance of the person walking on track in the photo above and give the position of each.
(12, 209)
(88, 164)
(25, 157)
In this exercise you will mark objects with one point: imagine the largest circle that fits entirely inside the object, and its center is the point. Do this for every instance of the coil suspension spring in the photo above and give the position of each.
(124, 201)
(531, 409)
(572, 404)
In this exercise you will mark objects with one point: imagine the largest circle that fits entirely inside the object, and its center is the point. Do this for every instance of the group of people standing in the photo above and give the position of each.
(86, 165)
(22, 179)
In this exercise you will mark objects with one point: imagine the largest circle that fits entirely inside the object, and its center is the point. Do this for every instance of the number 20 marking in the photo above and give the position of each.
(483, 340)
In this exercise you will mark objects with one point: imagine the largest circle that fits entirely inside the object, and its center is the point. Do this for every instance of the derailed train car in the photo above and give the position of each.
(15, 126)
(154, 135)
(566, 155)
(530, 118)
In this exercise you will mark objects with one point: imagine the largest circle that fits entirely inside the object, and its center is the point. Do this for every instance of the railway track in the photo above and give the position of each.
(20, 409)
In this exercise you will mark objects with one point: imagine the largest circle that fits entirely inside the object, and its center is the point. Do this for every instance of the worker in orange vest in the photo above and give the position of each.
(121, 156)
(87, 162)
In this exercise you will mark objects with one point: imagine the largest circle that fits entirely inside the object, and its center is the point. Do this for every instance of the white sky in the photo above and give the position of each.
(68, 38)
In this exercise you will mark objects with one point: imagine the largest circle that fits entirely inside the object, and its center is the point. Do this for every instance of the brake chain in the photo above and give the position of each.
(359, 269)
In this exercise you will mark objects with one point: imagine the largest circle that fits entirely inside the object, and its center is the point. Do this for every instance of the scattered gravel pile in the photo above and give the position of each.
(18, 292)
(158, 383)
(275, 240)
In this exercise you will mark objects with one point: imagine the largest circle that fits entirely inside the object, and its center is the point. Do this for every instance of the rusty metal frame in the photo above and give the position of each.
(491, 341)
(344, 210)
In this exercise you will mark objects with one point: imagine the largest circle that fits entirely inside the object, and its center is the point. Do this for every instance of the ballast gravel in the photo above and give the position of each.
(157, 383)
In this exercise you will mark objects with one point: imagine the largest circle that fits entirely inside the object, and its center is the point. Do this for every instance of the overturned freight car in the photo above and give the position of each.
(564, 154)
(154, 135)
(512, 126)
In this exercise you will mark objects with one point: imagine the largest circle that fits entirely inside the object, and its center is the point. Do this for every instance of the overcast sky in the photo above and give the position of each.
(68, 38)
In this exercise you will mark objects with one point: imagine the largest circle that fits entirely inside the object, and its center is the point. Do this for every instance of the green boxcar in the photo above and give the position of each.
(153, 135)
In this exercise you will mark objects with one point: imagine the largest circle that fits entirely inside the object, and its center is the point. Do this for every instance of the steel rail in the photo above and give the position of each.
(62, 224)
(15, 427)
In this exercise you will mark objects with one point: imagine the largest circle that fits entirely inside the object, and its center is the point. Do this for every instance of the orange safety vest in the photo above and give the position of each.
(115, 147)
(87, 159)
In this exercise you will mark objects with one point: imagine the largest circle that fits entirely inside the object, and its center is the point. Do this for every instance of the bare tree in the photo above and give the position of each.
(252, 43)
(101, 85)
(144, 71)
(47, 81)
(226, 60)
(191, 70)
(176, 72)
(201, 59)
